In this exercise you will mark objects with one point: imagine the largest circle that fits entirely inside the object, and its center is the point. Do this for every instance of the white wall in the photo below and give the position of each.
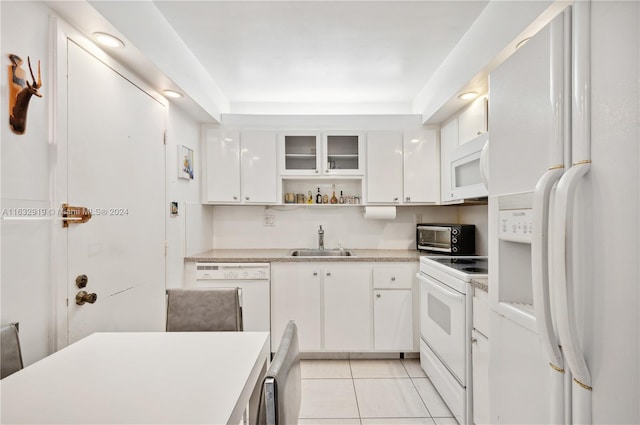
(477, 215)
(297, 227)
(26, 281)
(190, 232)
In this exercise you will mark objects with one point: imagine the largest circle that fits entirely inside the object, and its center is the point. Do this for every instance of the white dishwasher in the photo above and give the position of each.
(252, 278)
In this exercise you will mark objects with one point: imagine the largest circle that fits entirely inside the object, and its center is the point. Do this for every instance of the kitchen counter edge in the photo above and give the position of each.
(282, 256)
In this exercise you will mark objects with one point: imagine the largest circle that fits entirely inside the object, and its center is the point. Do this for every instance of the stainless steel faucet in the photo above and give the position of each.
(320, 238)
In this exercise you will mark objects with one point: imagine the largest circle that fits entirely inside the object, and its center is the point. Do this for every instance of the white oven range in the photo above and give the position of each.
(445, 327)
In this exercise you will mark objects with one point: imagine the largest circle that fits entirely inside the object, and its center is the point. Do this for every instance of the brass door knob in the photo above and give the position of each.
(82, 280)
(85, 297)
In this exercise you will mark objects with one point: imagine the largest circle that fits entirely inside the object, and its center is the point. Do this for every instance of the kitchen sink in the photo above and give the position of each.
(322, 253)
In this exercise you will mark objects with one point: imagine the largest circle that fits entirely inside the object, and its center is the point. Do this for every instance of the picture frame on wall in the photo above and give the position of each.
(185, 163)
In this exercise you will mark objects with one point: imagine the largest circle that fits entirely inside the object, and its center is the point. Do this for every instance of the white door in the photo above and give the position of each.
(347, 308)
(384, 166)
(421, 171)
(116, 167)
(259, 169)
(295, 295)
(222, 165)
(393, 319)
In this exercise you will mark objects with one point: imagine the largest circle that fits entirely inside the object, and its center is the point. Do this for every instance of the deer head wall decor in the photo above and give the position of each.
(20, 92)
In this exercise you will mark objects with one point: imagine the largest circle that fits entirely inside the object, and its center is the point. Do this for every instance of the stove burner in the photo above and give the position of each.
(475, 270)
(462, 261)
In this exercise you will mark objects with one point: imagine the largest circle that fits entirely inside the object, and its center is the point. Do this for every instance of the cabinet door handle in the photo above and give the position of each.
(378, 295)
(395, 199)
(315, 273)
(328, 274)
(474, 340)
(235, 198)
(393, 278)
(317, 171)
(408, 198)
(246, 198)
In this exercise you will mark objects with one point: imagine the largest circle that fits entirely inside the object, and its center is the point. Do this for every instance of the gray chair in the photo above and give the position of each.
(281, 391)
(202, 310)
(11, 360)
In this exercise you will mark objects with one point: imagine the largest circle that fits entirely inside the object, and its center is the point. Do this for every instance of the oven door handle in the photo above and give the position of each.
(438, 287)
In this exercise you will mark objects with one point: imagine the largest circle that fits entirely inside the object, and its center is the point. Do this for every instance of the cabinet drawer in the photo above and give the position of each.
(392, 277)
(481, 311)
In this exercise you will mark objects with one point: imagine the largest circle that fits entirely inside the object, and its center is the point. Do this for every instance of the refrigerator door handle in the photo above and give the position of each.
(540, 266)
(565, 306)
(541, 296)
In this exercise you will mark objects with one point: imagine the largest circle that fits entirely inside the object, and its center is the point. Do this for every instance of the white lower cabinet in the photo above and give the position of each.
(480, 358)
(393, 319)
(296, 295)
(347, 307)
(337, 308)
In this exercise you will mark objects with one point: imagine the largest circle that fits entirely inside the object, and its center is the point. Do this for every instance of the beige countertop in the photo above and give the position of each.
(283, 255)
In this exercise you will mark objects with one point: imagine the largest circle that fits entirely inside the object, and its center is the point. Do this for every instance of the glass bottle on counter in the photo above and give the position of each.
(325, 199)
(341, 200)
(318, 197)
(334, 200)
(310, 198)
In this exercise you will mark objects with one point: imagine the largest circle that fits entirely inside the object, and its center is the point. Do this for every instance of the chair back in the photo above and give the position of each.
(204, 309)
(11, 359)
(281, 392)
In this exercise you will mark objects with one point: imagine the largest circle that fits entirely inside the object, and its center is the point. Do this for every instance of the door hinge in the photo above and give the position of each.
(166, 248)
(164, 138)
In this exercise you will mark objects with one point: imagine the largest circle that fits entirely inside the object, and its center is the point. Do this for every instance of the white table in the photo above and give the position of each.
(141, 378)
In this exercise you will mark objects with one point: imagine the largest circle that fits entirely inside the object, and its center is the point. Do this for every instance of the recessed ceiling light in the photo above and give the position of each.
(173, 94)
(108, 40)
(468, 95)
(522, 42)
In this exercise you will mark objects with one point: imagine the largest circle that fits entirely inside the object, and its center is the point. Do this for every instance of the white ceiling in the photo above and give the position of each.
(335, 52)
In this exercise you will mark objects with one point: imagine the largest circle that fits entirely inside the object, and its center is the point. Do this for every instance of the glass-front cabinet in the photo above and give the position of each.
(305, 153)
(342, 153)
(300, 153)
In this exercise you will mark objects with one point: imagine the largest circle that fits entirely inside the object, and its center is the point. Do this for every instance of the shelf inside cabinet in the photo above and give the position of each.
(351, 189)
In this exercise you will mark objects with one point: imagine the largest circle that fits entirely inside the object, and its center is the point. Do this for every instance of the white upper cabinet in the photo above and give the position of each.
(342, 153)
(312, 153)
(472, 122)
(384, 167)
(240, 167)
(421, 171)
(259, 172)
(448, 145)
(222, 166)
(300, 153)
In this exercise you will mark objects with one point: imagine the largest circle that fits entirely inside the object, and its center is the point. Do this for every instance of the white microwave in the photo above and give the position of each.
(468, 167)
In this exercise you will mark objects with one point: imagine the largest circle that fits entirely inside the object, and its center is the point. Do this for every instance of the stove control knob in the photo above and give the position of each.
(455, 231)
(454, 240)
(454, 249)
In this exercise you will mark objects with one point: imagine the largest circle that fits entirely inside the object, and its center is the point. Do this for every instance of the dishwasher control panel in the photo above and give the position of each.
(232, 271)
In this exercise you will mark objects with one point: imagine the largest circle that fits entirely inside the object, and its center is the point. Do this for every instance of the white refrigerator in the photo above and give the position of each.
(564, 221)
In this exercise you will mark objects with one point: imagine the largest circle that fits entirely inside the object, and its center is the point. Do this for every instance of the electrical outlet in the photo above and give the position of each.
(418, 218)
(269, 220)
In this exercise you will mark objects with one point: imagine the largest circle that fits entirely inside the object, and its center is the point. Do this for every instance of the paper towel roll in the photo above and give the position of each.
(379, 213)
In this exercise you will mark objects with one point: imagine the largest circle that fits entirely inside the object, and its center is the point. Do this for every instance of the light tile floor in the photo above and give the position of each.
(369, 392)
